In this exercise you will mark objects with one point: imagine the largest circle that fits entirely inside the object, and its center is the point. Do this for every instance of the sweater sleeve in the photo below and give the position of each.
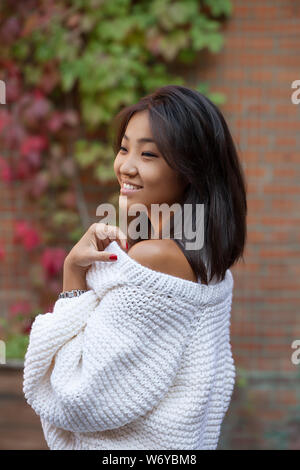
(49, 332)
(112, 371)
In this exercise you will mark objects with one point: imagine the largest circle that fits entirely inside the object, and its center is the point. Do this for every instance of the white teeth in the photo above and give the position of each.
(129, 186)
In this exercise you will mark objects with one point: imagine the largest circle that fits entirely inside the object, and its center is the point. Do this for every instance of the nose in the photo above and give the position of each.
(128, 167)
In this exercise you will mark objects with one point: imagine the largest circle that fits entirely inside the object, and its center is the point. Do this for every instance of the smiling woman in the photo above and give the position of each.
(176, 144)
(142, 358)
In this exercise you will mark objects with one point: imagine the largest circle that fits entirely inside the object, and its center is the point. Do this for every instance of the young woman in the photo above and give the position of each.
(141, 357)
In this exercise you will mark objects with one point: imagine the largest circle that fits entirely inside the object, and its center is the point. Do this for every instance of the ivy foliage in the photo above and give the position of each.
(111, 53)
(69, 66)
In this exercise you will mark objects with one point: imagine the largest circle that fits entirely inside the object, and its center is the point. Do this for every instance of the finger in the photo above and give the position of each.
(102, 233)
(111, 233)
(116, 234)
(121, 238)
(103, 256)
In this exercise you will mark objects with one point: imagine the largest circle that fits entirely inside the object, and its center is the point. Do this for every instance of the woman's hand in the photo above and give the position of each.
(87, 250)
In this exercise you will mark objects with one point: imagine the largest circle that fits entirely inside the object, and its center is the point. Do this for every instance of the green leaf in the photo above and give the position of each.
(110, 55)
(16, 346)
(171, 45)
(76, 234)
(219, 7)
(32, 74)
(187, 56)
(104, 173)
(20, 49)
(3, 322)
(87, 153)
(217, 98)
(61, 217)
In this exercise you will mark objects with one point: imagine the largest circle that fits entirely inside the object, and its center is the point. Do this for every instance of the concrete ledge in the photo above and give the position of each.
(13, 364)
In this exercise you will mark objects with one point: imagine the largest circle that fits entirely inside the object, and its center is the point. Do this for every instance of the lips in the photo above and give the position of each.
(128, 191)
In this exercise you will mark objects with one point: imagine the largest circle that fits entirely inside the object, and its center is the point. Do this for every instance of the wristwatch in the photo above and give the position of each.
(71, 293)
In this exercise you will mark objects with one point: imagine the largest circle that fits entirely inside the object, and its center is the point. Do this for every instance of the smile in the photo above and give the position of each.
(129, 189)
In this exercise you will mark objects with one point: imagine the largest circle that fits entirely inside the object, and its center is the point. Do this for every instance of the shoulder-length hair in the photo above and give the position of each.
(194, 139)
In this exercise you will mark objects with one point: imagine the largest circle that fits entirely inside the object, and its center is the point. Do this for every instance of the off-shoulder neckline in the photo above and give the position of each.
(147, 277)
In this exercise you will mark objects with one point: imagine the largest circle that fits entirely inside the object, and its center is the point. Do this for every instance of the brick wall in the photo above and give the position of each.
(259, 62)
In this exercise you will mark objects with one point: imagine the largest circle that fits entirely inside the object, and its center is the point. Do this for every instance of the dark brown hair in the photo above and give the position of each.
(193, 137)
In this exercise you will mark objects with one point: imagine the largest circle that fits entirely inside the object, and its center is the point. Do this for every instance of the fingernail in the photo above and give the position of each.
(113, 257)
(126, 246)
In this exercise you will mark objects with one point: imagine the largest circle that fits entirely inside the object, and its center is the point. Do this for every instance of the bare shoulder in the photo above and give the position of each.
(164, 256)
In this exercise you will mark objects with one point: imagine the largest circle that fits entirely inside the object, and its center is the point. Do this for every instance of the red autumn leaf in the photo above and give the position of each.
(68, 199)
(36, 110)
(27, 326)
(5, 119)
(54, 286)
(21, 307)
(31, 240)
(38, 184)
(13, 136)
(2, 253)
(38, 94)
(71, 117)
(27, 235)
(5, 171)
(52, 260)
(34, 160)
(23, 170)
(11, 67)
(33, 144)
(56, 121)
(49, 308)
(13, 89)
(10, 29)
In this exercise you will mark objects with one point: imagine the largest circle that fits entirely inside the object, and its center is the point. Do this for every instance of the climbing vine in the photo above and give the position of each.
(69, 66)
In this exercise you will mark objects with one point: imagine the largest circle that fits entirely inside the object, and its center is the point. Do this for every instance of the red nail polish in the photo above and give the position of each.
(126, 246)
(113, 257)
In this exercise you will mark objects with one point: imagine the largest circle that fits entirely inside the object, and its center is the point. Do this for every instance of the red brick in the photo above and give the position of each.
(255, 70)
(255, 204)
(250, 156)
(234, 74)
(287, 43)
(281, 189)
(254, 237)
(258, 141)
(286, 397)
(271, 415)
(256, 172)
(283, 141)
(279, 283)
(285, 172)
(282, 252)
(250, 43)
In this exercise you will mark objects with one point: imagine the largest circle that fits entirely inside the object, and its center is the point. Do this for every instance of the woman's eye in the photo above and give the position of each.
(148, 154)
(144, 153)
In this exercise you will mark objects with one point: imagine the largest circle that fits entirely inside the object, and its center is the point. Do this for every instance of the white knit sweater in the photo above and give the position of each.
(141, 361)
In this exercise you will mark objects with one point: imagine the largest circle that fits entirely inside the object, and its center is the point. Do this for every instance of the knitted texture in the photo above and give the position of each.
(142, 360)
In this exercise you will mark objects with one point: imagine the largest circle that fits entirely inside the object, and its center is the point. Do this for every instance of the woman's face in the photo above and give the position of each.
(141, 163)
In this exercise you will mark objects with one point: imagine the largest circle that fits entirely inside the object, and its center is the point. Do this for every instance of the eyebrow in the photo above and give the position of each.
(142, 139)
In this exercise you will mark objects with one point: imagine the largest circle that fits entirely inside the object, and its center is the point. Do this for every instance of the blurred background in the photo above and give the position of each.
(66, 69)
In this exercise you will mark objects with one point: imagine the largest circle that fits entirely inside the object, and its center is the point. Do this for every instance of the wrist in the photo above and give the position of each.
(74, 277)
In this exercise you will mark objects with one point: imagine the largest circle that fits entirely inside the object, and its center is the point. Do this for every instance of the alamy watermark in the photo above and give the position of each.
(138, 227)
(2, 352)
(295, 98)
(2, 92)
(295, 358)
